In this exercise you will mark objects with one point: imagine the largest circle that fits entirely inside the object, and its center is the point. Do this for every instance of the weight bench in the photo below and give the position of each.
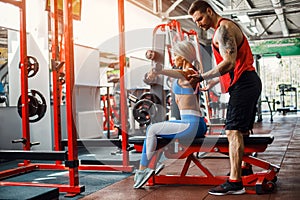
(263, 181)
(33, 155)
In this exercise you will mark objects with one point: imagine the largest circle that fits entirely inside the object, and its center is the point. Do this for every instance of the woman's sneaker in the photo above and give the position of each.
(228, 188)
(142, 176)
(158, 169)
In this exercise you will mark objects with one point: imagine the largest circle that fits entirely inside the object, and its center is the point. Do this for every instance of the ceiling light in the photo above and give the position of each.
(244, 18)
(254, 29)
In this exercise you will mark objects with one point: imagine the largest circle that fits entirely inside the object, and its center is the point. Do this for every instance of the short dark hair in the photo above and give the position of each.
(200, 6)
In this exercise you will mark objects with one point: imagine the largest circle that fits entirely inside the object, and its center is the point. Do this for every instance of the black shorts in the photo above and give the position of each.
(244, 94)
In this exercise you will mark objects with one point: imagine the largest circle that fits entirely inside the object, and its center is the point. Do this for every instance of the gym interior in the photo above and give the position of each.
(75, 105)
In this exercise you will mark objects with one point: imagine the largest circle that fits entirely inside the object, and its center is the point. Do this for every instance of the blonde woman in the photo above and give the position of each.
(190, 126)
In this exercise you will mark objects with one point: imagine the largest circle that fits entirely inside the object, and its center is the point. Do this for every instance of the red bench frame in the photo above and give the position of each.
(263, 181)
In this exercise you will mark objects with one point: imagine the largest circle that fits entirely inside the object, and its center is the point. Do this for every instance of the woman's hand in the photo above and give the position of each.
(188, 75)
(151, 76)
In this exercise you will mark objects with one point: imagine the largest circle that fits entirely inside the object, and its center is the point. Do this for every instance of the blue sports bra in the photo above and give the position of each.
(177, 89)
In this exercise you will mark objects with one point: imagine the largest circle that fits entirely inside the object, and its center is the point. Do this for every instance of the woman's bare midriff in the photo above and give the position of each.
(187, 102)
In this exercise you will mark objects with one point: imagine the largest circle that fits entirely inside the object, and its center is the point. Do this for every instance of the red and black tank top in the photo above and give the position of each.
(244, 62)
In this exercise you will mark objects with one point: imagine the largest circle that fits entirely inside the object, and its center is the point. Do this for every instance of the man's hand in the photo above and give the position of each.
(209, 84)
(195, 78)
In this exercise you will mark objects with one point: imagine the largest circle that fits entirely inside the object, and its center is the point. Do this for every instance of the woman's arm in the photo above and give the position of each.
(173, 73)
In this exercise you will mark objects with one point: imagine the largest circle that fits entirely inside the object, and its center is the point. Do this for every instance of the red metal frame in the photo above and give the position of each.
(191, 34)
(24, 78)
(73, 188)
(110, 112)
(257, 180)
(69, 67)
(173, 25)
(123, 96)
(56, 86)
(65, 49)
(72, 139)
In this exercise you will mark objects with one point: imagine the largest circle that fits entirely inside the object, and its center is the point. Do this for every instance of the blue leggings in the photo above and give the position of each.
(189, 127)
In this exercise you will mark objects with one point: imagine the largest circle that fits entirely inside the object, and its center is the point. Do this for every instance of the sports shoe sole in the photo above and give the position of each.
(242, 191)
(144, 181)
(159, 168)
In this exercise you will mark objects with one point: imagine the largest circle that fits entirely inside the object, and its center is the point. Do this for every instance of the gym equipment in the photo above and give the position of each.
(3, 82)
(263, 181)
(36, 106)
(24, 141)
(145, 110)
(150, 82)
(110, 112)
(284, 89)
(32, 66)
(34, 155)
(2, 98)
(3, 94)
(71, 187)
(271, 108)
(173, 33)
(61, 78)
(151, 97)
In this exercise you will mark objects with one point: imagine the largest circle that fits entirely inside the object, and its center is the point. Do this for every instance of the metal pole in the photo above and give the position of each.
(24, 77)
(55, 72)
(70, 102)
(108, 111)
(123, 95)
(259, 111)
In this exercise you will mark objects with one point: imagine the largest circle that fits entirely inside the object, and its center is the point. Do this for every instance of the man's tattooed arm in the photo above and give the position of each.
(227, 48)
(225, 38)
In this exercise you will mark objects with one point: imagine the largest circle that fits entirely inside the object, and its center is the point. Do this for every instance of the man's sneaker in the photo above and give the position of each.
(142, 176)
(228, 188)
(159, 167)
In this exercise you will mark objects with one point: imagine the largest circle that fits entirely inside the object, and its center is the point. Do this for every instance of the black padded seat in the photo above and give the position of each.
(216, 139)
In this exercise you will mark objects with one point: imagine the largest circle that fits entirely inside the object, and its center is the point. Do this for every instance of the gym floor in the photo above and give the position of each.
(284, 152)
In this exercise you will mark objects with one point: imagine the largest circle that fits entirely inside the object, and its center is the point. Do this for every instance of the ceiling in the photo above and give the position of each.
(260, 20)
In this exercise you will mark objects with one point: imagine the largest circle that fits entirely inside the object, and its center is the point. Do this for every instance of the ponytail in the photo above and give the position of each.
(196, 65)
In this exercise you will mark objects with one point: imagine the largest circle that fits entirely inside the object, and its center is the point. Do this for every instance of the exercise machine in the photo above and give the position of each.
(263, 181)
(286, 89)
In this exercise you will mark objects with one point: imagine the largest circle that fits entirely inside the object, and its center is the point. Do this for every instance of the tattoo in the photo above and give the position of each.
(226, 41)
